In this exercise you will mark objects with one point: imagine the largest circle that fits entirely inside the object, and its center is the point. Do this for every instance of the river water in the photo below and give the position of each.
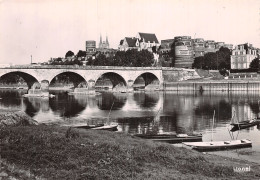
(142, 112)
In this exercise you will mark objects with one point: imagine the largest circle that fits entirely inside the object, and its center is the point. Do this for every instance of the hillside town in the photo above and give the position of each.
(179, 52)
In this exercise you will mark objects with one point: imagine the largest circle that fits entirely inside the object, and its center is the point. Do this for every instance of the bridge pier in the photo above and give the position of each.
(39, 89)
(130, 87)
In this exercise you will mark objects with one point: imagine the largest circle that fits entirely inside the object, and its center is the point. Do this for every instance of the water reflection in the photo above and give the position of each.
(11, 98)
(106, 101)
(146, 100)
(66, 106)
(32, 106)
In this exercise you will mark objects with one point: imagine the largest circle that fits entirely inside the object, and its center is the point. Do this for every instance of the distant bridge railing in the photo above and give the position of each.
(87, 67)
(77, 67)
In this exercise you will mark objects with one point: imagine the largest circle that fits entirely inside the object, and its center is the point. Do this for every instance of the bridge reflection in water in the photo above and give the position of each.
(179, 112)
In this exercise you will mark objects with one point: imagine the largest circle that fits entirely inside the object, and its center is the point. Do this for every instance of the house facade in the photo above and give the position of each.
(242, 56)
(129, 43)
(140, 42)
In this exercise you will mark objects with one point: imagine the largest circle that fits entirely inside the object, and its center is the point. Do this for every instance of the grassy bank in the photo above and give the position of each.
(53, 152)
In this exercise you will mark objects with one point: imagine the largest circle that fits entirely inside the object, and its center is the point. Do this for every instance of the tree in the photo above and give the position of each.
(210, 61)
(254, 65)
(144, 59)
(69, 54)
(219, 60)
(81, 53)
(78, 62)
(100, 60)
(154, 49)
(223, 56)
(90, 61)
(119, 58)
(199, 63)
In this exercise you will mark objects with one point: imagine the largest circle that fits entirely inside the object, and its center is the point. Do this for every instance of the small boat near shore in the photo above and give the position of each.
(85, 93)
(219, 145)
(87, 126)
(108, 127)
(101, 126)
(244, 124)
(171, 138)
(39, 95)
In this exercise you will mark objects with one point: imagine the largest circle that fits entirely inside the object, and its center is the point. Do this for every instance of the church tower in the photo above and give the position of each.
(107, 43)
(100, 42)
(103, 44)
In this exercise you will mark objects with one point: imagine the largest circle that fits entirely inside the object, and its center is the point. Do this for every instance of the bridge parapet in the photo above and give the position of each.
(79, 67)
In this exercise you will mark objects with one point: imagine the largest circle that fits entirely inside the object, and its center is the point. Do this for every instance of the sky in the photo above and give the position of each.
(49, 28)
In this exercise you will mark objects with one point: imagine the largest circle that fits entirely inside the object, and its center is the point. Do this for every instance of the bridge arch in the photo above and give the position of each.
(148, 80)
(69, 77)
(117, 81)
(28, 78)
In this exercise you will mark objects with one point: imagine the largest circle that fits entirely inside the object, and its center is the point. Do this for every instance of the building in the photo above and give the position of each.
(210, 46)
(199, 47)
(140, 42)
(90, 48)
(229, 46)
(184, 52)
(218, 45)
(129, 43)
(242, 56)
(103, 44)
(103, 48)
(165, 49)
(147, 40)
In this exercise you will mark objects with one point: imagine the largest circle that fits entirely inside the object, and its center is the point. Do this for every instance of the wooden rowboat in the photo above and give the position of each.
(219, 145)
(108, 127)
(171, 138)
(87, 126)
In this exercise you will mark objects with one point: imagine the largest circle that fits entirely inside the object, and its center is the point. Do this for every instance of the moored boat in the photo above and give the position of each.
(108, 127)
(171, 138)
(88, 126)
(219, 145)
(244, 124)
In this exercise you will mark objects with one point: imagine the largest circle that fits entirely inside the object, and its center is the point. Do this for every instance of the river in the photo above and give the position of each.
(141, 112)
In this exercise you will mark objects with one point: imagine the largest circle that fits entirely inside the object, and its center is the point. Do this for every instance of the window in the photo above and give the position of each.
(179, 44)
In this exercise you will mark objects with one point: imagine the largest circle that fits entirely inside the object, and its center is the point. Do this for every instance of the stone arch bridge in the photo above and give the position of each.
(125, 76)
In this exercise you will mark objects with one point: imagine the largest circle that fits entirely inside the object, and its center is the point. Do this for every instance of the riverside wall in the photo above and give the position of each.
(212, 86)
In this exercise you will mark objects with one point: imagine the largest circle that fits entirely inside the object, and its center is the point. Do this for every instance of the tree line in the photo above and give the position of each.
(130, 58)
(221, 61)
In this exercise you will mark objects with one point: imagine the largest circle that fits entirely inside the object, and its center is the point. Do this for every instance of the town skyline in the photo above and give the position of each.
(49, 29)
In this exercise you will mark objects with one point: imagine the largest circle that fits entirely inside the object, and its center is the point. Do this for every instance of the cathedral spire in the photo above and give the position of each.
(107, 43)
(100, 42)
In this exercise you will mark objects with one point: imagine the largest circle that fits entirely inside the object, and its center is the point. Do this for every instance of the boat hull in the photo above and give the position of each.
(88, 126)
(219, 145)
(107, 128)
(239, 126)
(172, 139)
(112, 127)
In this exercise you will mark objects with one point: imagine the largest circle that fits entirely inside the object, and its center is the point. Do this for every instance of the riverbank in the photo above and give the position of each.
(53, 152)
